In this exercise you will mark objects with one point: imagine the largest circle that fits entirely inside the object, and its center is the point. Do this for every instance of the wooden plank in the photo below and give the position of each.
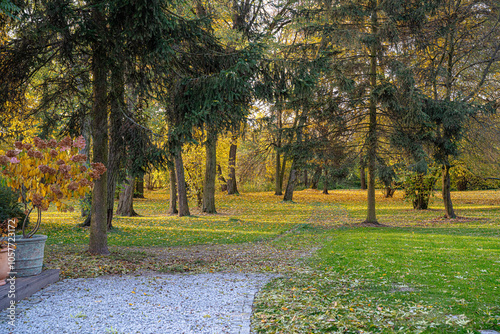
(26, 286)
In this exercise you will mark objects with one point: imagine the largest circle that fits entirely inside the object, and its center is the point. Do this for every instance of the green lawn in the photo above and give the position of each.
(244, 218)
(418, 273)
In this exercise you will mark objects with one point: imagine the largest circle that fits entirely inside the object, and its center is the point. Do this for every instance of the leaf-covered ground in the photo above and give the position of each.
(419, 273)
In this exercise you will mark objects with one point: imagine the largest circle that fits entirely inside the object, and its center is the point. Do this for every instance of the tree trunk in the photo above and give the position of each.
(199, 198)
(462, 184)
(291, 184)
(325, 182)
(389, 191)
(87, 221)
(423, 192)
(448, 205)
(362, 177)
(111, 191)
(421, 202)
(222, 180)
(231, 181)
(282, 173)
(315, 178)
(117, 107)
(306, 179)
(149, 184)
(86, 204)
(181, 184)
(278, 182)
(208, 204)
(173, 190)
(126, 200)
(98, 240)
(86, 133)
(372, 127)
(139, 187)
(295, 162)
(278, 190)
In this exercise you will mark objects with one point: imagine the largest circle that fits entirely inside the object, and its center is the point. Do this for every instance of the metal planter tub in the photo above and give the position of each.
(29, 255)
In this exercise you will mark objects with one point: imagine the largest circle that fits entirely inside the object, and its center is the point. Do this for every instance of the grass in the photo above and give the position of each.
(419, 273)
(245, 218)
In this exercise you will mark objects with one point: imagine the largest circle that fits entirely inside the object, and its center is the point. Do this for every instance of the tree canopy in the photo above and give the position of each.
(306, 92)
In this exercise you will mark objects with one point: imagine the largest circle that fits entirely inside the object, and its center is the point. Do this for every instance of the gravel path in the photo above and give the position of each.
(202, 303)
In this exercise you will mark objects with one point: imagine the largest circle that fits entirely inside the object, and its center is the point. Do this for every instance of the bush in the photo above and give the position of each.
(419, 187)
(462, 179)
(9, 206)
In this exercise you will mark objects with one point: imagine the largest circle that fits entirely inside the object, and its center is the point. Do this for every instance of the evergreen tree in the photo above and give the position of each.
(369, 36)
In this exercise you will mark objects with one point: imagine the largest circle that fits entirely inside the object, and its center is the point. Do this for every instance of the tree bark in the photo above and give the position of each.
(446, 186)
(295, 162)
(139, 187)
(173, 190)
(448, 205)
(86, 204)
(291, 184)
(87, 221)
(181, 184)
(362, 177)
(117, 107)
(98, 240)
(208, 204)
(423, 192)
(278, 190)
(315, 178)
(231, 181)
(462, 184)
(86, 133)
(111, 182)
(222, 180)
(126, 200)
(278, 185)
(372, 127)
(149, 184)
(282, 172)
(421, 202)
(325, 182)
(389, 191)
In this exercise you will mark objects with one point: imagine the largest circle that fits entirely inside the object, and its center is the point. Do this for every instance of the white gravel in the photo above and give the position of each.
(202, 303)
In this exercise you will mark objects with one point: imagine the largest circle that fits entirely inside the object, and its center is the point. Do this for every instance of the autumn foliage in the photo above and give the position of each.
(49, 172)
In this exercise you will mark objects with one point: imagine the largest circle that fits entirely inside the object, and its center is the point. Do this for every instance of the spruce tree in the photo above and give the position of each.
(369, 35)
